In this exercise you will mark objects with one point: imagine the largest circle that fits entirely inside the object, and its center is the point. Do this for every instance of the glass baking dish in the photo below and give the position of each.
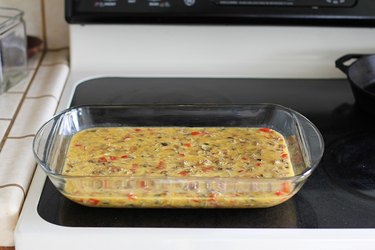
(303, 140)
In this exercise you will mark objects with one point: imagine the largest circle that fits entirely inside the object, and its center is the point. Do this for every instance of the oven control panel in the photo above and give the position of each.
(286, 3)
(128, 5)
(280, 12)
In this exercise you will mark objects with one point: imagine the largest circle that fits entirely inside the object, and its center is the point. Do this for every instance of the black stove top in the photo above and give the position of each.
(339, 194)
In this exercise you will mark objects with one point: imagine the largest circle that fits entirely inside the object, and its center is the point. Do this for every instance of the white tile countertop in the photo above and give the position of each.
(23, 110)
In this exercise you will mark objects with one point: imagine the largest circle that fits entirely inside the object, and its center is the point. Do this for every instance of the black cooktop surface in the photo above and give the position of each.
(339, 194)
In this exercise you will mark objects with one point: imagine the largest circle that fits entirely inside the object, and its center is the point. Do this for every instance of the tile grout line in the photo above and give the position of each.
(32, 98)
(20, 105)
(43, 10)
(14, 92)
(40, 97)
(58, 49)
(21, 137)
(32, 69)
(54, 64)
(14, 185)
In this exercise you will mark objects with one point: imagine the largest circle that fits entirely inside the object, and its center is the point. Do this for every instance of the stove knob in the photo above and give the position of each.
(189, 2)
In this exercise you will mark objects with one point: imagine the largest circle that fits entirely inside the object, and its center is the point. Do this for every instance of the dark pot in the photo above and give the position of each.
(361, 75)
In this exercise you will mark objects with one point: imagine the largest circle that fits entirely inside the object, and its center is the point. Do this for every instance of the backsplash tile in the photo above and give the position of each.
(57, 31)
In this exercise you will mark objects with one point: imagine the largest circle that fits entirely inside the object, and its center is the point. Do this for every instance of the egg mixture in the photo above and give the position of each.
(177, 167)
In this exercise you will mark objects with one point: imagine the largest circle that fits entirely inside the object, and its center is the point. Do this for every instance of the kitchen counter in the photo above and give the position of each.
(24, 108)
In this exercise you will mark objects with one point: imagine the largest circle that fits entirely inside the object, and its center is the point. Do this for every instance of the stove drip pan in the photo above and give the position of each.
(350, 163)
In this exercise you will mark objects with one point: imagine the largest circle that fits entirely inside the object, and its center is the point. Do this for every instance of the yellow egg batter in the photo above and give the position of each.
(177, 167)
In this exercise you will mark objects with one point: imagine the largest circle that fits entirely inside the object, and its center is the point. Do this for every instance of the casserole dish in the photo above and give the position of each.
(303, 141)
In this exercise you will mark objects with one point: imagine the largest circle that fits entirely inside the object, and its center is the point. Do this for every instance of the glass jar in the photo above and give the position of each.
(13, 52)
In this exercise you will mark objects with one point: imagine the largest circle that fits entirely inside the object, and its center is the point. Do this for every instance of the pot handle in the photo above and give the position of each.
(340, 63)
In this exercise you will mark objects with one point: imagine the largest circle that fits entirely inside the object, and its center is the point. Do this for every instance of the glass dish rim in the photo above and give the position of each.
(299, 177)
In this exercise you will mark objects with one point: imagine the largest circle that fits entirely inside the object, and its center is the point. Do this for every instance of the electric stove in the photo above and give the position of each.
(340, 194)
(116, 60)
